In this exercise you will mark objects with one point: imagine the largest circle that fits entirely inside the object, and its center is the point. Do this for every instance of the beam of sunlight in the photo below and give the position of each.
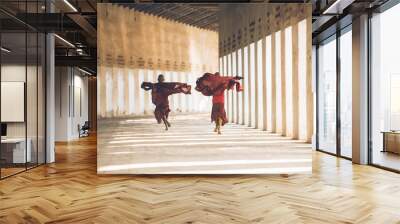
(228, 143)
(199, 163)
(280, 170)
(139, 133)
(140, 146)
(196, 139)
(183, 132)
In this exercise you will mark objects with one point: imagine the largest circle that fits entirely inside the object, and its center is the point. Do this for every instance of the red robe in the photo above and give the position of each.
(160, 93)
(210, 84)
(218, 108)
(215, 85)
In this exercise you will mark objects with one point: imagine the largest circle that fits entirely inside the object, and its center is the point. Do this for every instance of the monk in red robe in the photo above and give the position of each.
(159, 96)
(215, 85)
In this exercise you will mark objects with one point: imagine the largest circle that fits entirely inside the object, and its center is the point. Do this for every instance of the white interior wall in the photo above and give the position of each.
(16, 73)
(80, 82)
(62, 81)
(32, 127)
(71, 87)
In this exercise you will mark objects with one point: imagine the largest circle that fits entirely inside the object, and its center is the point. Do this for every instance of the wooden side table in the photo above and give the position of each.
(391, 141)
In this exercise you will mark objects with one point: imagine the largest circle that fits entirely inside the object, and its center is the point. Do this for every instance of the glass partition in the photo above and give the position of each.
(327, 96)
(22, 77)
(41, 97)
(385, 89)
(31, 98)
(15, 152)
(346, 93)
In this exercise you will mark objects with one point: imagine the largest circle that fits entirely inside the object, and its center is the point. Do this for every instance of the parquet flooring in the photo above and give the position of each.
(70, 191)
(10, 171)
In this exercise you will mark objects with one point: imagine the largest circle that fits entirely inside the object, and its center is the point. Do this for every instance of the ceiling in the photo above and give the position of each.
(199, 15)
(78, 23)
(202, 14)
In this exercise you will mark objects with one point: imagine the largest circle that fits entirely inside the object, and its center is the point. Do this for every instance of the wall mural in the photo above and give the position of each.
(217, 95)
(129, 38)
(134, 47)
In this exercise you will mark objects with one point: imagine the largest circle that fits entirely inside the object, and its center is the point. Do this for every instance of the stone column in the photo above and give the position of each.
(360, 90)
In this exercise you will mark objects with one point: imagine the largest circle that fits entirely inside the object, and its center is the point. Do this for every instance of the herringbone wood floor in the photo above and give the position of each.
(70, 191)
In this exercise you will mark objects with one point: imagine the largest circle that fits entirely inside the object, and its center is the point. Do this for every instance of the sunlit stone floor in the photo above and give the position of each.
(141, 146)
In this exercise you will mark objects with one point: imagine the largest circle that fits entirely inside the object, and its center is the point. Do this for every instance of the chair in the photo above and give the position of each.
(84, 130)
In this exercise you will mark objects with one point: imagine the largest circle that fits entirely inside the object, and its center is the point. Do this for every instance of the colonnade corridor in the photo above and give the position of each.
(141, 146)
(70, 191)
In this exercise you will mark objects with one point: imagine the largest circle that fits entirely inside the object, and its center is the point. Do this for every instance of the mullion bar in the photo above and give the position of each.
(44, 79)
(26, 87)
(317, 96)
(0, 95)
(37, 90)
(338, 93)
(369, 81)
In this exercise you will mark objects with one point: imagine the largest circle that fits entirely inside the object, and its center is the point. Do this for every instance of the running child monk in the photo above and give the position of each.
(215, 85)
(159, 96)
